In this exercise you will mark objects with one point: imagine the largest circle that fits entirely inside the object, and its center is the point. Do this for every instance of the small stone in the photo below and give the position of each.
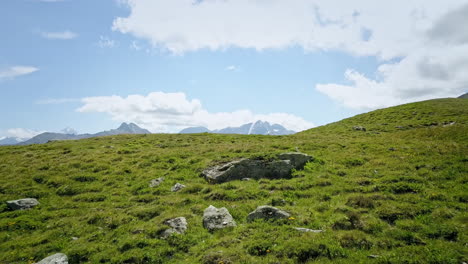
(156, 182)
(177, 187)
(58, 258)
(267, 212)
(74, 238)
(246, 179)
(217, 218)
(307, 230)
(178, 225)
(359, 128)
(22, 204)
(374, 256)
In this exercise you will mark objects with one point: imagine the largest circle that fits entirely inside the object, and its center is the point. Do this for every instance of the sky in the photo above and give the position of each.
(88, 65)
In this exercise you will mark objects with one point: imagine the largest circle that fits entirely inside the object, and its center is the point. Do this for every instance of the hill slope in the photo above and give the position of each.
(396, 192)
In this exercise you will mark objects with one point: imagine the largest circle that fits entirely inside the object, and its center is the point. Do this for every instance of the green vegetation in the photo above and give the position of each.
(397, 190)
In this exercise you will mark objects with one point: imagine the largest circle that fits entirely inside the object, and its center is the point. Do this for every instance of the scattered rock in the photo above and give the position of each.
(74, 238)
(276, 202)
(246, 179)
(373, 256)
(359, 128)
(156, 182)
(445, 124)
(278, 168)
(22, 204)
(217, 218)
(177, 187)
(178, 225)
(267, 212)
(58, 258)
(306, 230)
(138, 231)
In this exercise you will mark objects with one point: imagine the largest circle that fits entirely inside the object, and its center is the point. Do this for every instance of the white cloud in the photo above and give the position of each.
(427, 38)
(135, 46)
(22, 133)
(63, 35)
(106, 42)
(436, 68)
(232, 68)
(16, 71)
(170, 112)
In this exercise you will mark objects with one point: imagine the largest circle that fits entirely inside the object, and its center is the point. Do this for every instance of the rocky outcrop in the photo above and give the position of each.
(279, 168)
(156, 182)
(177, 187)
(22, 204)
(58, 258)
(267, 212)
(178, 225)
(217, 218)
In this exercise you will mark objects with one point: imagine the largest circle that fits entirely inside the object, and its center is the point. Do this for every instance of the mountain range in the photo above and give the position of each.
(124, 128)
(256, 128)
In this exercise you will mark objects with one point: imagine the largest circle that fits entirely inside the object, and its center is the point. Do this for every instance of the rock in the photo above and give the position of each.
(267, 212)
(279, 168)
(22, 204)
(374, 256)
(246, 179)
(298, 160)
(74, 238)
(58, 258)
(177, 187)
(217, 218)
(276, 202)
(359, 128)
(156, 182)
(178, 225)
(307, 230)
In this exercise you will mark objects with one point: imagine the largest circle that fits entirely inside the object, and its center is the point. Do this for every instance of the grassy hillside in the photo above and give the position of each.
(397, 191)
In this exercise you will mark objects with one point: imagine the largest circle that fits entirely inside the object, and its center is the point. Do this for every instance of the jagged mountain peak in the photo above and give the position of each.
(258, 127)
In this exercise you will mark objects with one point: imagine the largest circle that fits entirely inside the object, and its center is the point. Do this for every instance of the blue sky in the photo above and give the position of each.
(166, 65)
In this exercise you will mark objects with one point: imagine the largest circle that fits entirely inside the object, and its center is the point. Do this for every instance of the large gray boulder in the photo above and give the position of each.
(267, 212)
(178, 225)
(217, 218)
(279, 168)
(22, 204)
(58, 258)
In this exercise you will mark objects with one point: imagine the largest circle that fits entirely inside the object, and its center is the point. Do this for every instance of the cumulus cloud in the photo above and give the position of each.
(16, 71)
(420, 44)
(63, 35)
(22, 133)
(170, 112)
(435, 69)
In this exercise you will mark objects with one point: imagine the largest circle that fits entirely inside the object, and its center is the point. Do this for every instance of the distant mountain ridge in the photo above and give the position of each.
(257, 128)
(9, 141)
(464, 96)
(124, 128)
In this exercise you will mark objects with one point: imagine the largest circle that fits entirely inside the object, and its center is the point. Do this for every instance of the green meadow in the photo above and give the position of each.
(394, 193)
